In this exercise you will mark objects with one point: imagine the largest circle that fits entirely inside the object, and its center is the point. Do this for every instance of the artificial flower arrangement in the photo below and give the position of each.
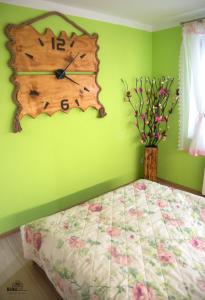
(153, 104)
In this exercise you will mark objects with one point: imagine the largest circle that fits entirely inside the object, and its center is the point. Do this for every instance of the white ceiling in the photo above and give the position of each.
(145, 14)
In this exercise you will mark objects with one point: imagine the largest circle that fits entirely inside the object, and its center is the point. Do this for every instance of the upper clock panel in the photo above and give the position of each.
(46, 52)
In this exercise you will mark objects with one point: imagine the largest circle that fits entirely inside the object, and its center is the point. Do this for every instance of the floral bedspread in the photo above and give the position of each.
(144, 241)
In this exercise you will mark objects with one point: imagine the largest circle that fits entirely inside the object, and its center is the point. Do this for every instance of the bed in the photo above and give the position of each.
(143, 241)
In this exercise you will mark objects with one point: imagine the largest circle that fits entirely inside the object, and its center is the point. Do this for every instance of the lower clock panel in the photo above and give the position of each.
(38, 94)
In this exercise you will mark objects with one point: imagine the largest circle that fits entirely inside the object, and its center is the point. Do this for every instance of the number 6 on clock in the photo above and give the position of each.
(64, 104)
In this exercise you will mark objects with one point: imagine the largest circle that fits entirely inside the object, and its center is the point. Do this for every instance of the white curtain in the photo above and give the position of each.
(192, 89)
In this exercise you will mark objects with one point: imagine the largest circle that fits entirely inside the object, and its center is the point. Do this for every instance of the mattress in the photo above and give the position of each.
(142, 241)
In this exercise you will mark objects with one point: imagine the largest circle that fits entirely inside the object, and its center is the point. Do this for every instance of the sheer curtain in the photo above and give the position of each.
(192, 89)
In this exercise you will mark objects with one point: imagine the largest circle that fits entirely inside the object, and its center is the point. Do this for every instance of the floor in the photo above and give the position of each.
(21, 279)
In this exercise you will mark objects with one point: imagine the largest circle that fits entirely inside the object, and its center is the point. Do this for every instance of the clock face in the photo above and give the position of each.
(72, 66)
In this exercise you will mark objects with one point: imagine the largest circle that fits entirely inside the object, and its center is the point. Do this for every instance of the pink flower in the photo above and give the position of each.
(135, 212)
(122, 260)
(95, 297)
(165, 256)
(157, 135)
(142, 117)
(198, 243)
(172, 221)
(144, 136)
(113, 232)
(121, 199)
(158, 119)
(140, 186)
(163, 92)
(37, 240)
(141, 292)
(95, 207)
(140, 90)
(202, 214)
(118, 258)
(33, 238)
(28, 235)
(161, 203)
(176, 222)
(59, 282)
(202, 284)
(76, 242)
(113, 251)
(166, 216)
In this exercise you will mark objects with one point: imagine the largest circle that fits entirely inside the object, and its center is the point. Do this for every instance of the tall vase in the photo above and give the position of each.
(150, 163)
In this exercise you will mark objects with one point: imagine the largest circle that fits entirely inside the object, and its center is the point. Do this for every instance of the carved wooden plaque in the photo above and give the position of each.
(70, 61)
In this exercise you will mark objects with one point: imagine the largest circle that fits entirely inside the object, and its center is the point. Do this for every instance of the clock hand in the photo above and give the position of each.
(71, 80)
(60, 74)
(71, 62)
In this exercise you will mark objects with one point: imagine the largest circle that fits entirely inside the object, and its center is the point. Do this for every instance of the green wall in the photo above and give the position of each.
(59, 161)
(176, 166)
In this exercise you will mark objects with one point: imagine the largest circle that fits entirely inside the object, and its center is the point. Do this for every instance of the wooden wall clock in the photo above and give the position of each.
(72, 64)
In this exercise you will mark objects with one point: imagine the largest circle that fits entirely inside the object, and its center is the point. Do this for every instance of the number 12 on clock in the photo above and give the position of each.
(58, 44)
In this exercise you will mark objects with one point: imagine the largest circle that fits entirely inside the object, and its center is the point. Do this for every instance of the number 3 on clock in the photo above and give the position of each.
(58, 44)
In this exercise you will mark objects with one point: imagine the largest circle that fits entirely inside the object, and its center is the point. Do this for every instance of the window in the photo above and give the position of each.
(192, 89)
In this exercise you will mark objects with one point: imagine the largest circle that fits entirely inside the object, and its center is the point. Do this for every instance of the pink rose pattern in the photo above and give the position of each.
(95, 297)
(131, 222)
(162, 203)
(164, 256)
(140, 186)
(198, 243)
(28, 235)
(201, 284)
(37, 240)
(120, 259)
(136, 213)
(141, 292)
(33, 238)
(172, 221)
(59, 282)
(95, 207)
(63, 286)
(75, 242)
(202, 214)
(114, 232)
